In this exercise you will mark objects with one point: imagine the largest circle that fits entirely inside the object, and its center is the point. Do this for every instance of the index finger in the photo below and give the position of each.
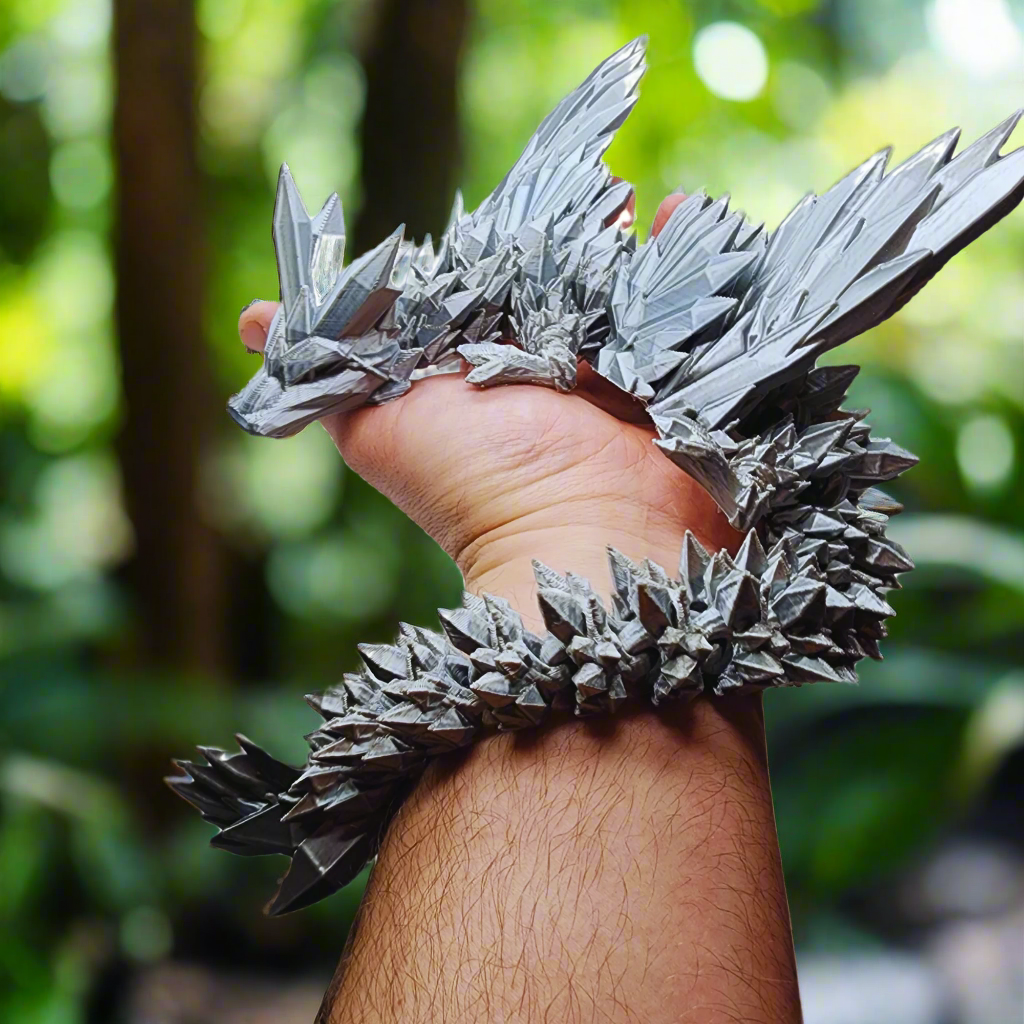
(665, 210)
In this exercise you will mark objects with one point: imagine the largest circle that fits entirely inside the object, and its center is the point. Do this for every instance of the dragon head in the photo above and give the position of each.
(329, 322)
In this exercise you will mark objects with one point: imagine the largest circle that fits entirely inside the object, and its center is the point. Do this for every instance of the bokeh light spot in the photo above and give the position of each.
(339, 576)
(799, 94)
(220, 19)
(979, 35)
(730, 60)
(146, 934)
(284, 490)
(948, 371)
(80, 174)
(23, 70)
(83, 25)
(984, 451)
(314, 133)
(789, 8)
(26, 342)
(79, 526)
(74, 280)
(78, 100)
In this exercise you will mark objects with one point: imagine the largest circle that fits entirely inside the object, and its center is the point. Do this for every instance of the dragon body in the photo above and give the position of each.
(716, 325)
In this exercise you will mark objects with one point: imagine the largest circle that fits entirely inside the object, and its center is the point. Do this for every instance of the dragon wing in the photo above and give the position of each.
(837, 265)
(719, 325)
(678, 287)
(560, 186)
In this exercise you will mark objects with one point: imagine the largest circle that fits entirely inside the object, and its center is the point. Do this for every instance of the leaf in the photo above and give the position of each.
(859, 793)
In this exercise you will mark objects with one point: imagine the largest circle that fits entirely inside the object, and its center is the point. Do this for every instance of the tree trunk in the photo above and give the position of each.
(176, 573)
(410, 130)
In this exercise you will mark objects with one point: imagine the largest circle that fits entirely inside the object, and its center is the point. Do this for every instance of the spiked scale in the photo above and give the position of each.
(717, 325)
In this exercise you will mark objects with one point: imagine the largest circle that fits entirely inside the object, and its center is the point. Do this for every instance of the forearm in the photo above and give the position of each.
(613, 870)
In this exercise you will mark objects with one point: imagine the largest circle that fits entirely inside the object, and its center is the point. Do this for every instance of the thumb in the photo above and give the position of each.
(254, 322)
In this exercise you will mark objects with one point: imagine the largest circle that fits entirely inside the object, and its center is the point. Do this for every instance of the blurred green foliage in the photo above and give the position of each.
(98, 865)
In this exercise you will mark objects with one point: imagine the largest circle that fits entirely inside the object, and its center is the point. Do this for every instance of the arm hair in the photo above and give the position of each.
(611, 871)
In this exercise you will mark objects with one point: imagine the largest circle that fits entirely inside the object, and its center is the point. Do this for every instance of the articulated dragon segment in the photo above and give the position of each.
(805, 610)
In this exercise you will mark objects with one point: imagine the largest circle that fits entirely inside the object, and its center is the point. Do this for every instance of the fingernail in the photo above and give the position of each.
(253, 335)
(251, 302)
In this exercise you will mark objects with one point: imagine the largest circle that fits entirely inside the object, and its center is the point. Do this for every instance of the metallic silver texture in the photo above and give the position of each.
(717, 326)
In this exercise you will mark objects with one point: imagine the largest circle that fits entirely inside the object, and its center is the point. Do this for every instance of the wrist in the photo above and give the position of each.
(501, 563)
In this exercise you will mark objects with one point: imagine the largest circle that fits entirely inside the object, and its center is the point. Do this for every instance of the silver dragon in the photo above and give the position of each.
(716, 325)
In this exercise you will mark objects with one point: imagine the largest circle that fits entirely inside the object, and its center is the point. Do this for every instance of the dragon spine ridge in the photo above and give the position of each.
(717, 326)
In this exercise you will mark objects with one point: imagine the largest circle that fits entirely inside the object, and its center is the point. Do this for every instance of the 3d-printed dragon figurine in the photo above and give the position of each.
(716, 325)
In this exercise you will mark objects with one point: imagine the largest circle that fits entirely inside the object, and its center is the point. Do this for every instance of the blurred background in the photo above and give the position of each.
(165, 579)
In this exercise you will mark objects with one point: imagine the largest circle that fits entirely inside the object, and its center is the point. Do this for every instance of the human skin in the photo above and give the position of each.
(621, 869)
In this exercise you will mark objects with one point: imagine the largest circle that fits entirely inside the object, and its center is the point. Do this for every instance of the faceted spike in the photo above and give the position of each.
(589, 681)
(883, 460)
(826, 386)
(405, 720)
(329, 704)
(876, 500)
(330, 220)
(738, 601)
(751, 557)
(385, 661)
(616, 695)
(624, 572)
(328, 228)
(494, 689)
(776, 576)
(634, 638)
(346, 801)
(466, 630)
(452, 728)
(977, 156)
(278, 775)
(693, 563)
(390, 755)
(208, 804)
(321, 865)
(532, 705)
(293, 238)
(348, 750)
(801, 604)
(362, 689)
(298, 323)
(547, 578)
(562, 615)
(678, 677)
(756, 668)
(802, 668)
(868, 602)
(236, 771)
(258, 845)
(819, 524)
(360, 296)
(885, 555)
(654, 608)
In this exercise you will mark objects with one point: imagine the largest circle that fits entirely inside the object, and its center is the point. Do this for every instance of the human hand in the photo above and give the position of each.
(503, 475)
